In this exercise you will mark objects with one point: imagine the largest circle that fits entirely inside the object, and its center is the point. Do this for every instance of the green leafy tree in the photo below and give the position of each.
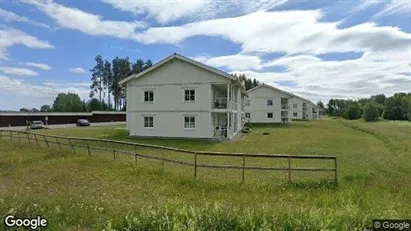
(352, 112)
(108, 81)
(371, 112)
(97, 77)
(34, 110)
(320, 104)
(24, 110)
(45, 108)
(121, 68)
(68, 102)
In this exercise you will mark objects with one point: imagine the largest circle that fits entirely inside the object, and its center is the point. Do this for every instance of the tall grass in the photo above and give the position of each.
(75, 191)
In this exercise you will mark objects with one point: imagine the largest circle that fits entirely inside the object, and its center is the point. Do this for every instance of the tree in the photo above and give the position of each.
(45, 108)
(371, 112)
(138, 66)
(97, 77)
(68, 102)
(380, 99)
(147, 64)
(352, 112)
(94, 105)
(320, 104)
(34, 110)
(24, 110)
(121, 68)
(108, 81)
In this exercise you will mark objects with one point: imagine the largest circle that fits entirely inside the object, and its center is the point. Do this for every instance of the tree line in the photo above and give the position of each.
(106, 75)
(103, 81)
(396, 107)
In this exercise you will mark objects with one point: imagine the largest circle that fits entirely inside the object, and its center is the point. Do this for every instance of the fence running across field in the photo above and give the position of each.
(69, 141)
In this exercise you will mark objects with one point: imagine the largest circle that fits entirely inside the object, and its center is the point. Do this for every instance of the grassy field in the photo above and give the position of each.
(75, 191)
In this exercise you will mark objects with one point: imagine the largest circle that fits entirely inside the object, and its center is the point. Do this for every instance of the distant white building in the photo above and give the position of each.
(267, 104)
(180, 97)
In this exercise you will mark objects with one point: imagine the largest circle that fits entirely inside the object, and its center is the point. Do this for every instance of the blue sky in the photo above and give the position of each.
(317, 49)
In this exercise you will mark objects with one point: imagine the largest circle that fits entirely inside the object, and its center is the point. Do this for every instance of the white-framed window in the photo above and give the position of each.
(247, 102)
(295, 105)
(189, 122)
(148, 96)
(247, 115)
(148, 121)
(270, 115)
(270, 102)
(295, 114)
(189, 95)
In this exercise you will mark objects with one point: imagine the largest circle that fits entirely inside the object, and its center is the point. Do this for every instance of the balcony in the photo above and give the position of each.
(219, 103)
(284, 106)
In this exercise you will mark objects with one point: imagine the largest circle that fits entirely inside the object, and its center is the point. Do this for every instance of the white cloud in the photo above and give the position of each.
(39, 65)
(18, 71)
(396, 7)
(390, 7)
(165, 11)
(91, 24)
(21, 93)
(317, 79)
(10, 16)
(233, 62)
(286, 31)
(77, 70)
(10, 37)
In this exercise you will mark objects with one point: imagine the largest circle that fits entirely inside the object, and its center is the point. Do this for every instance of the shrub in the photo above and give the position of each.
(352, 112)
(246, 129)
(371, 112)
(247, 124)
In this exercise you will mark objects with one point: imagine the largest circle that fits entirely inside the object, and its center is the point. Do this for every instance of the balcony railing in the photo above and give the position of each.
(220, 103)
(284, 106)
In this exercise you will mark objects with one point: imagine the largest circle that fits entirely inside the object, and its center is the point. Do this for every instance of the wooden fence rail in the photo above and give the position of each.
(59, 140)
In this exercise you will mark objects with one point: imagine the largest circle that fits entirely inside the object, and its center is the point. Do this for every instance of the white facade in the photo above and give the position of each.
(266, 104)
(179, 97)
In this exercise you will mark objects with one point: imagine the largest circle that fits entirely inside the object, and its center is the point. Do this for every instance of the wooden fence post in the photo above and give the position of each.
(135, 153)
(28, 138)
(45, 140)
(58, 143)
(162, 156)
(335, 167)
(72, 147)
(242, 177)
(88, 148)
(35, 137)
(195, 165)
(289, 168)
(114, 152)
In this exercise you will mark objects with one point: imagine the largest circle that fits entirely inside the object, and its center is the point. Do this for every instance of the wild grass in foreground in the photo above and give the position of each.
(75, 191)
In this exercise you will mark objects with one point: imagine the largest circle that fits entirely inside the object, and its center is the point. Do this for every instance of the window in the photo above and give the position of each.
(295, 114)
(247, 102)
(270, 102)
(148, 121)
(189, 122)
(270, 115)
(247, 115)
(149, 96)
(295, 105)
(189, 95)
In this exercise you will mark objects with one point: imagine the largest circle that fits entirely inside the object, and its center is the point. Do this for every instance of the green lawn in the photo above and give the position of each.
(80, 192)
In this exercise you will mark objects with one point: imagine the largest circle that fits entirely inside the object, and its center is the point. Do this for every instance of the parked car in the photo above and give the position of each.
(36, 125)
(83, 122)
